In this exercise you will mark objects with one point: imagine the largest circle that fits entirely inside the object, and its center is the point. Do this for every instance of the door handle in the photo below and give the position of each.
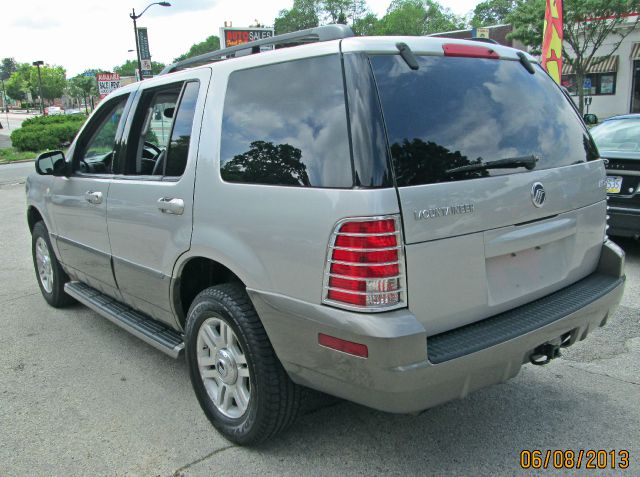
(93, 197)
(168, 205)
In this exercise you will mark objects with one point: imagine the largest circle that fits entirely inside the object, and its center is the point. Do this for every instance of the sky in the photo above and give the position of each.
(82, 34)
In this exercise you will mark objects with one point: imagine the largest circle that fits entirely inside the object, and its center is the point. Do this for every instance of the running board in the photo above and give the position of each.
(147, 329)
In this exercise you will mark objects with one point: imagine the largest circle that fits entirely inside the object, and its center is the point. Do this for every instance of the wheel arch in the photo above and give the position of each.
(34, 216)
(193, 274)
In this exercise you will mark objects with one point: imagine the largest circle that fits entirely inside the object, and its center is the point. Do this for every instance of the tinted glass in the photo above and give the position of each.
(454, 112)
(151, 130)
(181, 134)
(286, 124)
(618, 135)
(96, 157)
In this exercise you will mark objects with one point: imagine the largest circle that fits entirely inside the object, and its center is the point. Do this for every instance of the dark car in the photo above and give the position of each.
(618, 139)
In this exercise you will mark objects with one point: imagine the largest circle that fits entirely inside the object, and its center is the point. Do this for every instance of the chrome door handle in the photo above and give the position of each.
(168, 205)
(93, 197)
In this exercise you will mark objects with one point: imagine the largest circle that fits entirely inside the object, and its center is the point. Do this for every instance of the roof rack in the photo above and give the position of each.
(311, 35)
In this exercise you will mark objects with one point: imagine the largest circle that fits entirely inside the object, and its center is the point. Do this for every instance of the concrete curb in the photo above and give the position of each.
(17, 162)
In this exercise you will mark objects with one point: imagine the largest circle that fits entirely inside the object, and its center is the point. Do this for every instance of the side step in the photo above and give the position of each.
(147, 329)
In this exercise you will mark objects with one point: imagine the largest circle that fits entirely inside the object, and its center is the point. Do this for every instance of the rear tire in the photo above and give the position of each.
(51, 277)
(238, 380)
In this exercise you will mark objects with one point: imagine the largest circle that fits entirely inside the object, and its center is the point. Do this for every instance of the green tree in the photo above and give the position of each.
(366, 25)
(128, 68)
(210, 44)
(53, 81)
(418, 17)
(492, 12)
(7, 67)
(337, 11)
(304, 14)
(82, 87)
(587, 25)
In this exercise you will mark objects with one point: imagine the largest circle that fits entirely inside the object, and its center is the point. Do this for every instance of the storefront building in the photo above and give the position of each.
(613, 84)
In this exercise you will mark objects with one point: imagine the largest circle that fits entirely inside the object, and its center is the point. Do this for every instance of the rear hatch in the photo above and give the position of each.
(481, 240)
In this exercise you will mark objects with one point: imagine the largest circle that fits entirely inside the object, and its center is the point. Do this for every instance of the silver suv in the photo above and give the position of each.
(394, 221)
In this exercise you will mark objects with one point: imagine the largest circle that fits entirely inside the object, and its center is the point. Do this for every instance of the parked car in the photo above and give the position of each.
(618, 140)
(393, 221)
(72, 111)
(53, 111)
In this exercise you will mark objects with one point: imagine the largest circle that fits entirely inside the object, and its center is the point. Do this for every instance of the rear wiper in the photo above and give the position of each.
(528, 162)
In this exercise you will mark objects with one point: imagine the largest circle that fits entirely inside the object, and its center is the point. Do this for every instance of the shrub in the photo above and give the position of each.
(46, 132)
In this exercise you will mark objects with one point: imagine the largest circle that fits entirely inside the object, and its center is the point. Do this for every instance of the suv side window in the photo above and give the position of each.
(152, 125)
(181, 135)
(286, 124)
(95, 154)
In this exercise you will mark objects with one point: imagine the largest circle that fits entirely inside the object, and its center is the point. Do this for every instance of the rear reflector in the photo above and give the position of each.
(470, 51)
(365, 265)
(345, 346)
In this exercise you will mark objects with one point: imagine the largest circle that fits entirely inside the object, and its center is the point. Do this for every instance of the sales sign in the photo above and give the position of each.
(107, 82)
(238, 36)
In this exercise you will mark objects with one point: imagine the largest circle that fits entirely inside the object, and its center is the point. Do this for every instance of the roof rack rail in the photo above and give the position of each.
(311, 35)
(484, 40)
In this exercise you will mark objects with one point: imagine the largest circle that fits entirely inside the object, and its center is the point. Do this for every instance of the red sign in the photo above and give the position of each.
(107, 82)
(239, 36)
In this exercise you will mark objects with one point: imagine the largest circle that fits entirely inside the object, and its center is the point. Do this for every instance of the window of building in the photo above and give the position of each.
(594, 84)
(286, 124)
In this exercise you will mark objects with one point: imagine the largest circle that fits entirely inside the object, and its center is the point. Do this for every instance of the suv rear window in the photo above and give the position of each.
(453, 112)
(286, 124)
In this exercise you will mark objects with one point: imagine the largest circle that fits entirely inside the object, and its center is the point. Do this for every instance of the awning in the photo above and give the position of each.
(609, 65)
(635, 51)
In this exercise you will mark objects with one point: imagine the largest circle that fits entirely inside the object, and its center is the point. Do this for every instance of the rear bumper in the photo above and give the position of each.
(401, 373)
(624, 221)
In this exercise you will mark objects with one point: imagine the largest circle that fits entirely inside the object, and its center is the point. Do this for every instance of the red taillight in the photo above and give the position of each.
(365, 266)
(345, 346)
(471, 51)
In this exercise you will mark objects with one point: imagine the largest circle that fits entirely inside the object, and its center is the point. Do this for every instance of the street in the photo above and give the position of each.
(79, 396)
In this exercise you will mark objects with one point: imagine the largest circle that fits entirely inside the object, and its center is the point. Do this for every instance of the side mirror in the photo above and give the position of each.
(590, 118)
(51, 163)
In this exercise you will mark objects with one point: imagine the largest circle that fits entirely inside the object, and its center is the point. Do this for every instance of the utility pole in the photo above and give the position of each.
(39, 63)
(134, 17)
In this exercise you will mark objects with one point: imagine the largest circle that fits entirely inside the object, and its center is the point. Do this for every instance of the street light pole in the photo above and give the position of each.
(39, 63)
(134, 17)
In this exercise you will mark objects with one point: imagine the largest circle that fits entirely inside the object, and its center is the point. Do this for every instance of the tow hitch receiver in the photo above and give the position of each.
(544, 353)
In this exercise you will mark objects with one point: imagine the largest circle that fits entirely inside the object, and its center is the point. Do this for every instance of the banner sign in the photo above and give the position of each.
(238, 36)
(107, 82)
(145, 53)
(552, 40)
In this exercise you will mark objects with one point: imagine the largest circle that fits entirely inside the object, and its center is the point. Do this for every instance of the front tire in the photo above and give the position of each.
(238, 380)
(51, 277)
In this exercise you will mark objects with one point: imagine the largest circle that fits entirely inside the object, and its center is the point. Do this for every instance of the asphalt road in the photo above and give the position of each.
(80, 397)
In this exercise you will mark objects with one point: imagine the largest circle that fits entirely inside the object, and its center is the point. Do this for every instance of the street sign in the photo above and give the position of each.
(238, 36)
(482, 33)
(587, 83)
(145, 53)
(107, 82)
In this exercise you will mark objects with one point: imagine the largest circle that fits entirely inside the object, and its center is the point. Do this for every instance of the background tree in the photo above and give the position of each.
(82, 87)
(587, 24)
(366, 25)
(54, 81)
(337, 11)
(210, 44)
(303, 14)
(7, 67)
(128, 68)
(493, 12)
(418, 17)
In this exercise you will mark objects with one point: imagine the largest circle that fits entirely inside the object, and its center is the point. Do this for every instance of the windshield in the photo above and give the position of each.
(455, 112)
(618, 135)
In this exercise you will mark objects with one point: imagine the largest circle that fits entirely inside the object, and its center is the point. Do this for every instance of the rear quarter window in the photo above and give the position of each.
(453, 112)
(286, 124)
